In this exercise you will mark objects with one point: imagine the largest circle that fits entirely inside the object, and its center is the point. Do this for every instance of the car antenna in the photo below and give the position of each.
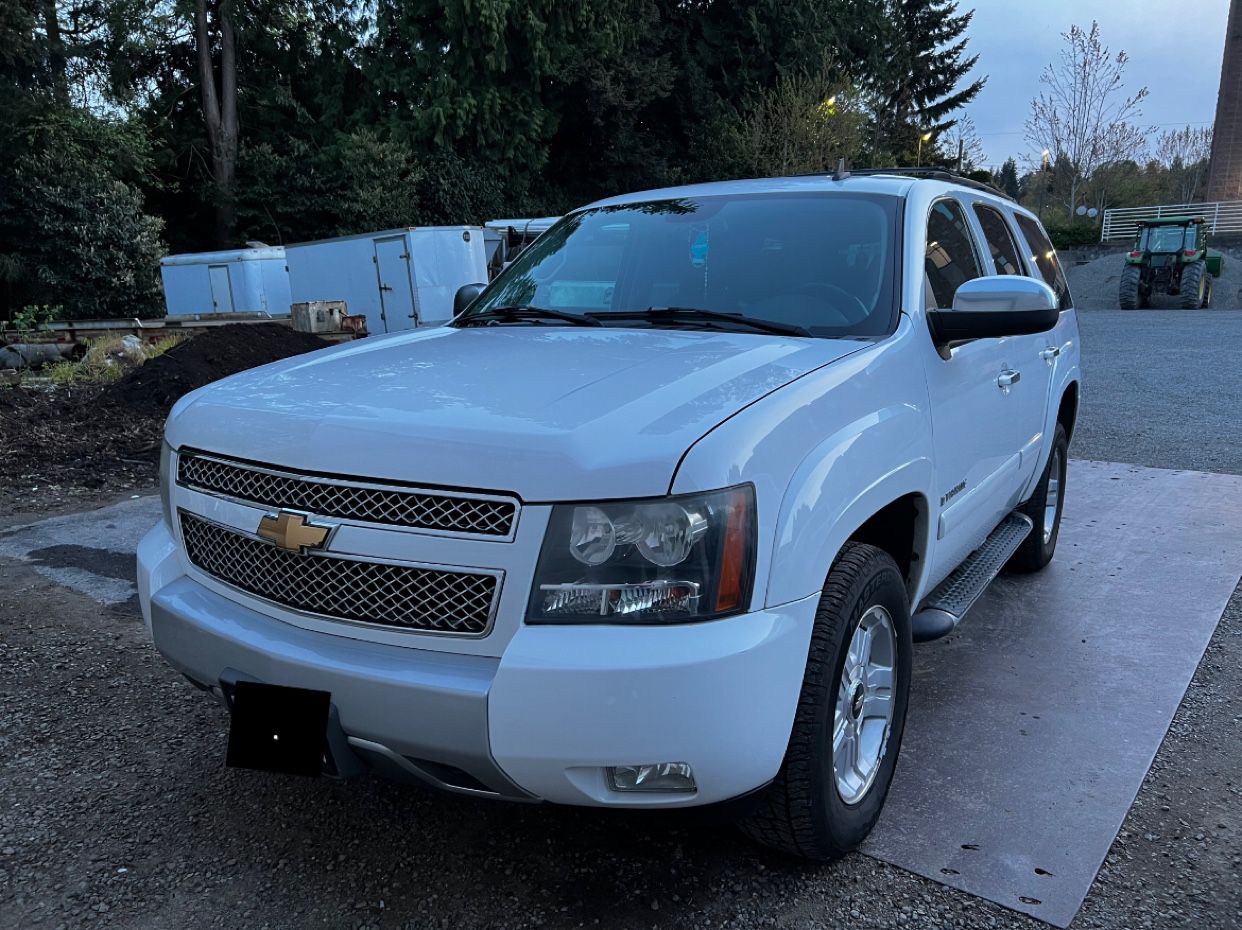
(842, 172)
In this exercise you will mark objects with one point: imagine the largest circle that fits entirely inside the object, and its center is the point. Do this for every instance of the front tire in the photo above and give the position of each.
(851, 714)
(1044, 508)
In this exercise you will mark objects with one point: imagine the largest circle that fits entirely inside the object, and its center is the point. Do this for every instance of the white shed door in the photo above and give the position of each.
(221, 289)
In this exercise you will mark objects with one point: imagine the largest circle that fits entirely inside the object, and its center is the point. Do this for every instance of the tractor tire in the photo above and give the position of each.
(1207, 297)
(1131, 278)
(1194, 286)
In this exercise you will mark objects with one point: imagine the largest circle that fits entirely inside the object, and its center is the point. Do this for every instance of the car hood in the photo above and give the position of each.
(546, 413)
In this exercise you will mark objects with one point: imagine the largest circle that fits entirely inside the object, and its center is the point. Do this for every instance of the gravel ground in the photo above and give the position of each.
(1160, 388)
(115, 810)
(1095, 282)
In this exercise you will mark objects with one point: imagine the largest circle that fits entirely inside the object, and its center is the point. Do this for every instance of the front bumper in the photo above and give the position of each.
(541, 721)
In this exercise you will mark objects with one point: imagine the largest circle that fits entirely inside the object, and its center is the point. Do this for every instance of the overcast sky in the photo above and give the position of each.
(1175, 50)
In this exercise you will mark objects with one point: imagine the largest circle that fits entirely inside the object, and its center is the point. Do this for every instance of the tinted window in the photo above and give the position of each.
(821, 261)
(999, 239)
(951, 257)
(1045, 259)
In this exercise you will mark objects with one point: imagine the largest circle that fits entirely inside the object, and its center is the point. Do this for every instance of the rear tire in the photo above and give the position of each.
(1207, 297)
(1044, 508)
(820, 806)
(1192, 292)
(1131, 276)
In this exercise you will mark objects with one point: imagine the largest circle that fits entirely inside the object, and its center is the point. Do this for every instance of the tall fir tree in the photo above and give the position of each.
(925, 77)
(1007, 179)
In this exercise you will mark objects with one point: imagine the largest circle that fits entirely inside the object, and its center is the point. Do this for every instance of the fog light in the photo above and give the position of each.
(658, 776)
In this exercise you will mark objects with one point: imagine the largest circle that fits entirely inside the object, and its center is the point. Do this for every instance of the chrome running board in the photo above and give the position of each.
(943, 609)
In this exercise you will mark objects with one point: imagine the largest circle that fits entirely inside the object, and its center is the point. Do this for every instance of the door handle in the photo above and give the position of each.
(1050, 353)
(1008, 378)
(385, 287)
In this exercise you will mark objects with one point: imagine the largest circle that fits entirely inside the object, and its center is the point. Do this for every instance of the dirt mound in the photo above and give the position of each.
(215, 354)
(60, 442)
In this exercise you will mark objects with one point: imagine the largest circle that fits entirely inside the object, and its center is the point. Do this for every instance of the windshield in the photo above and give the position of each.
(823, 262)
(1166, 238)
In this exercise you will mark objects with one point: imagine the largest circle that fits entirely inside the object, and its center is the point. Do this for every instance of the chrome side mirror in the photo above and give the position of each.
(995, 306)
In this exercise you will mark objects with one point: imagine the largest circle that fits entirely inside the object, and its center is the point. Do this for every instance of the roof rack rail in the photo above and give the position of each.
(930, 173)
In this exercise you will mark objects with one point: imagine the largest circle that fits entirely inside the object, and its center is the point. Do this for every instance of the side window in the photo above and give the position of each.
(1045, 259)
(1000, 240)
(950, 260)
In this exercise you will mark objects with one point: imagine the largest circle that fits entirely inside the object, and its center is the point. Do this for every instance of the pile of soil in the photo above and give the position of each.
(63, 442)
(158, 384)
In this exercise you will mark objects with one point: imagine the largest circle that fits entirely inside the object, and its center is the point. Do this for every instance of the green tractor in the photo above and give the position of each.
(1170, 257)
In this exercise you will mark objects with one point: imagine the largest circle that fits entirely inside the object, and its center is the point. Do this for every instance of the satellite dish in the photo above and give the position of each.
(1082, 210)
(1093, 213)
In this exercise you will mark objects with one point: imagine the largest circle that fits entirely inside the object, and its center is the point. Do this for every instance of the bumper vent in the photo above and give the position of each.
(348, 498)
(397, 596)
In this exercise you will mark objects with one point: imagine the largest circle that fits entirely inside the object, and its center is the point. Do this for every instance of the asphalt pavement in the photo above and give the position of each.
(116, 810)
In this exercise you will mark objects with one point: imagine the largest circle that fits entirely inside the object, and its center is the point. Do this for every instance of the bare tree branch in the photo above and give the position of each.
(1084, 117)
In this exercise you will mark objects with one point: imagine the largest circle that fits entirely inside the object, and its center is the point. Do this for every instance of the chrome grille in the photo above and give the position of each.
(351, 501)
(398, 596)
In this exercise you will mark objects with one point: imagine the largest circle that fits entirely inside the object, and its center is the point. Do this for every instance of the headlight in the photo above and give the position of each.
(670, 560)
(166, 480)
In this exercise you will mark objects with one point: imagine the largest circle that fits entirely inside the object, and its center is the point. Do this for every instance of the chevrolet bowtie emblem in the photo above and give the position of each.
(293, 531)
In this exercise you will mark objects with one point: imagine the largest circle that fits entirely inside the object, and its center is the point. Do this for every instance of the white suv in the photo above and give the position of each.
(653, 522)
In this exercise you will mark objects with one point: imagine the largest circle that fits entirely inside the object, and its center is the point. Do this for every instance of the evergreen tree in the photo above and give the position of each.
(923, 78)
(482, 78)
(1007, 179)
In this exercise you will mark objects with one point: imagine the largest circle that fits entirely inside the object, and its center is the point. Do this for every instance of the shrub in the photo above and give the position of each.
(1074, 235)
(72, 224)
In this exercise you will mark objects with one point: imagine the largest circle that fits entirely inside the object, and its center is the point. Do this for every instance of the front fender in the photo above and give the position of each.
(846, 479)
(819, 452)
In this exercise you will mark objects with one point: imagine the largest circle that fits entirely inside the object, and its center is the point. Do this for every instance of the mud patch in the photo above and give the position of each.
(105, 562)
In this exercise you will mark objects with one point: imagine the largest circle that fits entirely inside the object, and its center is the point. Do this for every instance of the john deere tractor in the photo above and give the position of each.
(1171, 257)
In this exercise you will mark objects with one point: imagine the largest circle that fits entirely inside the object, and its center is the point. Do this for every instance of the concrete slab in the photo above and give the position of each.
(1031, 728)
(91, 552)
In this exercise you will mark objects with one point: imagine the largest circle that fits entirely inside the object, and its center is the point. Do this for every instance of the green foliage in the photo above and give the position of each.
(480, 76)
(357, 115)
(799, 126)
(922, 80)
(35, 316)
(1007, 179)
(72, 226)
(356, 183)
(1073, 235)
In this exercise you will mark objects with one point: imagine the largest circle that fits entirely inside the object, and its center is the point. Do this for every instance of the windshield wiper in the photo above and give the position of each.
(697, 314)
(522, 314)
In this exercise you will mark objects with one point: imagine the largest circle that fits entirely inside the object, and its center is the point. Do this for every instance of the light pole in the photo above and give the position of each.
(1044, 166)
(925, 137)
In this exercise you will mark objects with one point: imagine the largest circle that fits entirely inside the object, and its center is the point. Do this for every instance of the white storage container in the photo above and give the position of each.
(398, 278)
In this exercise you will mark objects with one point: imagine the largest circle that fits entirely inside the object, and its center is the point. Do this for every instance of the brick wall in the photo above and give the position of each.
(1225, 171)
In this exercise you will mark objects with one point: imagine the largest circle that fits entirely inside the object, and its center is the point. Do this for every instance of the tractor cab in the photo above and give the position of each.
(1169, 236)
(1170, 256)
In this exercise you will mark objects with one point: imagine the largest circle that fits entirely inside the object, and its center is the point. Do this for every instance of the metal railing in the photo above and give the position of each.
(1223, 216)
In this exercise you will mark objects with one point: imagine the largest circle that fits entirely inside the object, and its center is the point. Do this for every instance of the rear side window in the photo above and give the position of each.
(999, 239)
(951, 259)
(1045, 259)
